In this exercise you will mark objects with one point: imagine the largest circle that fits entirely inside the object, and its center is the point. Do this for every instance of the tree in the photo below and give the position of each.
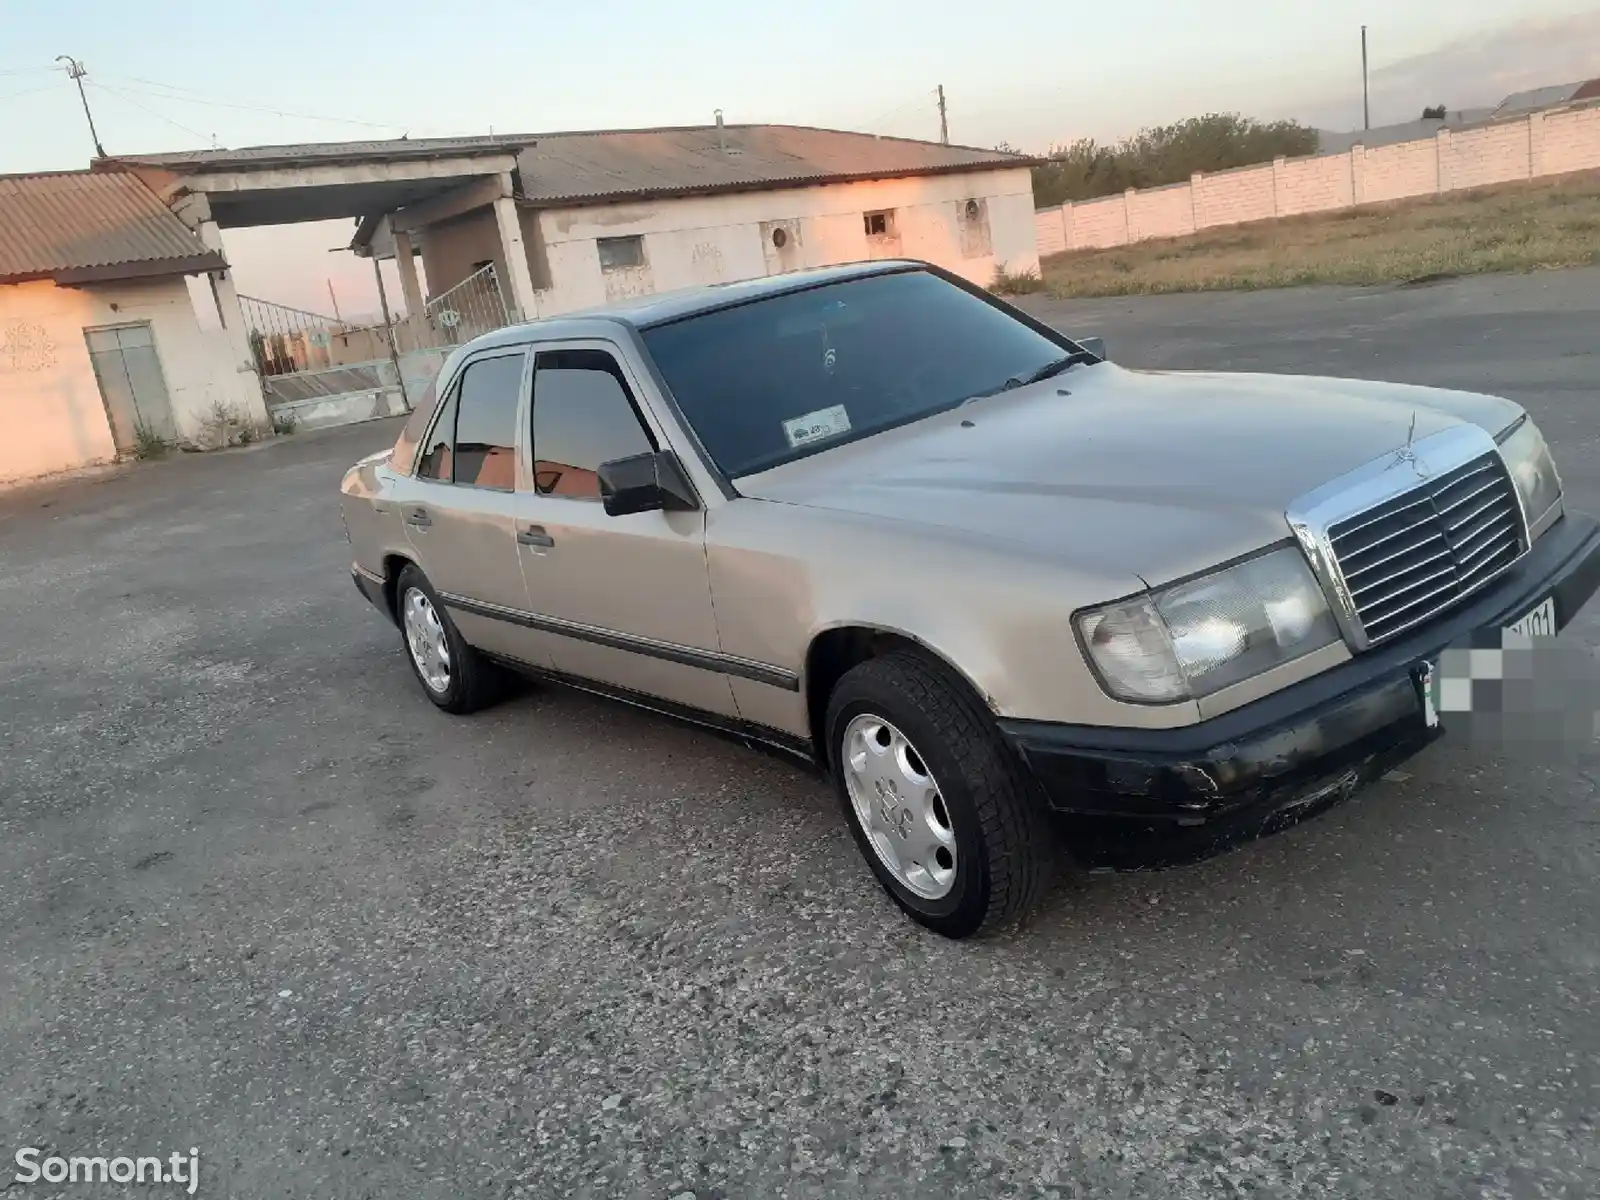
(1166, 154)
(1436, 113)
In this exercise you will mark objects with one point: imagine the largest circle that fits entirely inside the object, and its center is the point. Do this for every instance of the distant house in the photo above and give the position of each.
(1518, 104)
(111, 332)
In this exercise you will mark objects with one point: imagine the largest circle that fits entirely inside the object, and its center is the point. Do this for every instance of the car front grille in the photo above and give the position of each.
(1419, 553)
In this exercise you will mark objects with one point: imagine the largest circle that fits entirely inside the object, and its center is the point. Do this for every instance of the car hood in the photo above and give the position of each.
(1154, 473)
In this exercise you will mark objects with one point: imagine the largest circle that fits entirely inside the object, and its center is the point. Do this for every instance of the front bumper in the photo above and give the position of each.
(1311, 742)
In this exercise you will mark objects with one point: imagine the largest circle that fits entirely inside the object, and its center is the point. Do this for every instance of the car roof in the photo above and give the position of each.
(662, 308)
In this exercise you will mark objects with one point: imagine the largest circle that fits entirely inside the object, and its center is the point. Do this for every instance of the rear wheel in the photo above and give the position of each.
(941, 810)
(453, 675)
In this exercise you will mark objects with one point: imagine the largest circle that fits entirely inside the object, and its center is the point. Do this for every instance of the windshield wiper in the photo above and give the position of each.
(1051, 369)
(1048, 371)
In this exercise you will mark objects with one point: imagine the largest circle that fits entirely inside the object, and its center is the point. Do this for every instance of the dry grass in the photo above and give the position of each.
(1515, 227)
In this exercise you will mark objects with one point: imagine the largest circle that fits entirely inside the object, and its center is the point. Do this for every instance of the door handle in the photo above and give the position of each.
(416, 515)
(534, 535)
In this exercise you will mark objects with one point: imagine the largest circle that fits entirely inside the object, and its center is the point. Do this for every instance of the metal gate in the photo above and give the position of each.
(474, 306)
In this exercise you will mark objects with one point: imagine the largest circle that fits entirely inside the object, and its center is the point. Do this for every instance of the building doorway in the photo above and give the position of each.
(132, 385)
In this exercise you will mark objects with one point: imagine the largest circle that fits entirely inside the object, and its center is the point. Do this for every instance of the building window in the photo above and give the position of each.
(879, 224)
(621, 253)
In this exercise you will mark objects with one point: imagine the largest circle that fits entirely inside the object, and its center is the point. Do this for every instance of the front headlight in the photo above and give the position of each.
(1195, 638)
(1532, 470)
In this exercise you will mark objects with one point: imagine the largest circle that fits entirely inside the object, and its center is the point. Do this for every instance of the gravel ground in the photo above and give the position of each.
(263, 900)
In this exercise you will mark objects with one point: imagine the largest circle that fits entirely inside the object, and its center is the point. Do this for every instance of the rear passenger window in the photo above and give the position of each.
(437, 460)
(583, 416)
(486, 424)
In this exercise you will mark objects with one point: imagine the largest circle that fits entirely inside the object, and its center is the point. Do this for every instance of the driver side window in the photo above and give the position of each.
(583, 415)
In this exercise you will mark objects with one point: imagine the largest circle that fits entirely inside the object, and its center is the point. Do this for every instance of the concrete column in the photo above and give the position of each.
(523, 299)
(410, 288)
(1068, 233)
(1278, 164)
(1127, 216)
(1535, 145)
(1441, 149)
(233, 327)
(1195, 182)
(1358, 174)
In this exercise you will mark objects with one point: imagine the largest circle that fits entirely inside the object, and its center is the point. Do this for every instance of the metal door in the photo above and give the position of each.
(626, 600)
(132, 385)
(464, 536)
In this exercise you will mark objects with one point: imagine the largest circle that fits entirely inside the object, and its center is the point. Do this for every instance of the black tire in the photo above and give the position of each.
(474, 681)
(1005, 847)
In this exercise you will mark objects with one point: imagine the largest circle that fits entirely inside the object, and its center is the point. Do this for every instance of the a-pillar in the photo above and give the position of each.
(523, 300)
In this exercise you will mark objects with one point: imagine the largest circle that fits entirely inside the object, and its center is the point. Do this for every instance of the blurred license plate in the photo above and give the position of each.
(1541, 622)
(1424, 676)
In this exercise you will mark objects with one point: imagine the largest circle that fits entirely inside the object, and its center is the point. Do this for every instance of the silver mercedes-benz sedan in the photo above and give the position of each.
(875, 516)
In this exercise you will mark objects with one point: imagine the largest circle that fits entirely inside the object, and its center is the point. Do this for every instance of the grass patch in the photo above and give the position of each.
(1515, 227)
(1007, 283)
(147, 443)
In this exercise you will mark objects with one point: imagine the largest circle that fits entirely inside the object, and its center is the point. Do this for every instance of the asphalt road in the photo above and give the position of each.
(259, 898)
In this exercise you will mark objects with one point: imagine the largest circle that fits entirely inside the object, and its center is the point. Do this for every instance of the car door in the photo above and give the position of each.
(459, 507)
(625, 601)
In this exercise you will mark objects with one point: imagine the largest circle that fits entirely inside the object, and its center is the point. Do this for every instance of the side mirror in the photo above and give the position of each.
(650, 482)
(1094, 345)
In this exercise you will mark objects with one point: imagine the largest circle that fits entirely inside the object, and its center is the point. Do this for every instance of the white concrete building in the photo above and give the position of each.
(570, 219)
(606, 215)
(116, 323)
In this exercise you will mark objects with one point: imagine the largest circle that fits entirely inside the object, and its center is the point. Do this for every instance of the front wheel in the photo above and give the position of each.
(941, 810)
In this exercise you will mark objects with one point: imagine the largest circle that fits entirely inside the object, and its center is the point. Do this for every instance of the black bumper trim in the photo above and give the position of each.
(372, 589)
(1326, 734)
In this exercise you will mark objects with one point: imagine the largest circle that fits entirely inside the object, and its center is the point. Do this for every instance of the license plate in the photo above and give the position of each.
(1541, 622)
(1425, 684)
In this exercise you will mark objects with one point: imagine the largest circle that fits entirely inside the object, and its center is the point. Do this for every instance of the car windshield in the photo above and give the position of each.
(775, 379)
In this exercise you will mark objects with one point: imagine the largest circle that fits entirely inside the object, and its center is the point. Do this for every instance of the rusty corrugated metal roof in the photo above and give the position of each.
(579, 167)
(82, 227)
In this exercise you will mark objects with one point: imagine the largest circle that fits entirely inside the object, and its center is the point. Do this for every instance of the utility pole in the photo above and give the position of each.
(1366, 106)
(944, 121)
(76, 71)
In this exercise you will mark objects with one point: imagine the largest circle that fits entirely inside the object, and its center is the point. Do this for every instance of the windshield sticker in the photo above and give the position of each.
(814, 426)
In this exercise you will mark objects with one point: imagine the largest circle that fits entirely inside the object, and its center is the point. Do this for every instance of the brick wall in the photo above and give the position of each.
(1494, 154)
(1569, 141)
(1160, 212)
(1547, 143)
(1395, 172)
(1313, 184)
(1098, 222)
(1050, 230)
(1234, 197)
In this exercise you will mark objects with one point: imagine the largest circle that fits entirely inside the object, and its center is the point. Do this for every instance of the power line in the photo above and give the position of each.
(127, 99)
(28, 71)
(27, 91)
(204, 98)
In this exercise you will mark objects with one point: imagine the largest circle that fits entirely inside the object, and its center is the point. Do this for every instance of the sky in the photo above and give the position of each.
(172, 76)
